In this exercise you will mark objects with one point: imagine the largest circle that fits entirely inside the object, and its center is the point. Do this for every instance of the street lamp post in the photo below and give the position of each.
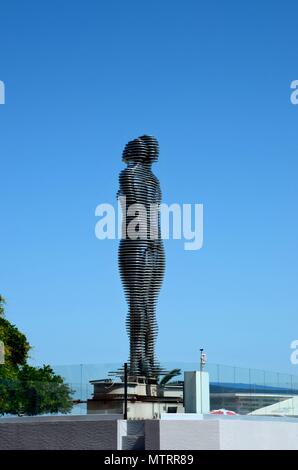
(203, 360)
(125, 390)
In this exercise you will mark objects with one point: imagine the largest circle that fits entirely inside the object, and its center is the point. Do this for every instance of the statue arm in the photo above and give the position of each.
(157, 192)
(128, 186)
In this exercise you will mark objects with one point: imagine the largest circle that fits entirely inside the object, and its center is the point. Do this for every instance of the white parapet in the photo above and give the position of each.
(196, 392)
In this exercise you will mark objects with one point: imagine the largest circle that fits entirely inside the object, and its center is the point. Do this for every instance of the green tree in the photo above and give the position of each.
(25, 389)
(2, 302)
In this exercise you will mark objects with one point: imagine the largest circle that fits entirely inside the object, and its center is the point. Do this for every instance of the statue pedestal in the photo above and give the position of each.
(145, 400)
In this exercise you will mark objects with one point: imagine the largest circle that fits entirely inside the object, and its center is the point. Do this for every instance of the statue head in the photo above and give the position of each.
(142, 149)
(135, 150)
(152, 146)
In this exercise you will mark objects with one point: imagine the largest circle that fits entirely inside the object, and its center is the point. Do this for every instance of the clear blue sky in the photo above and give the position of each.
(212, 81)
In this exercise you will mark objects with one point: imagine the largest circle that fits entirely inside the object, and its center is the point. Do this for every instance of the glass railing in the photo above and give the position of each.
(244, 391)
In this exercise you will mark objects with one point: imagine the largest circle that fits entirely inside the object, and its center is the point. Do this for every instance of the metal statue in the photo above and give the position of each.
(141, 252)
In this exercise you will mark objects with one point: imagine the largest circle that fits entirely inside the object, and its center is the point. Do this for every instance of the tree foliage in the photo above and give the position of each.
(27, 390)
(16, 344)
(2, 302)
(169, 376)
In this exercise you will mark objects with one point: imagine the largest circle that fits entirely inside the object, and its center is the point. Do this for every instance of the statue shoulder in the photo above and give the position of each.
(155, 179)
(127, 173)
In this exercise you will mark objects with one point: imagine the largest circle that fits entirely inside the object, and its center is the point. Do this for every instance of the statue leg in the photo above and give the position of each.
(132, 270)
(147, 340)
(155, 282)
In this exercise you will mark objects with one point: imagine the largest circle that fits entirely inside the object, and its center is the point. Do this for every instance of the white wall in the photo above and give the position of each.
(224, 434)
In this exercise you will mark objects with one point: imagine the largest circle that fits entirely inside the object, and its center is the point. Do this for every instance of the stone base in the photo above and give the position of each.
(145, 400)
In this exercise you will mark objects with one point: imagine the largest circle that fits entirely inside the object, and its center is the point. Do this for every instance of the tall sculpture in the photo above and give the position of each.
(141, 254)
